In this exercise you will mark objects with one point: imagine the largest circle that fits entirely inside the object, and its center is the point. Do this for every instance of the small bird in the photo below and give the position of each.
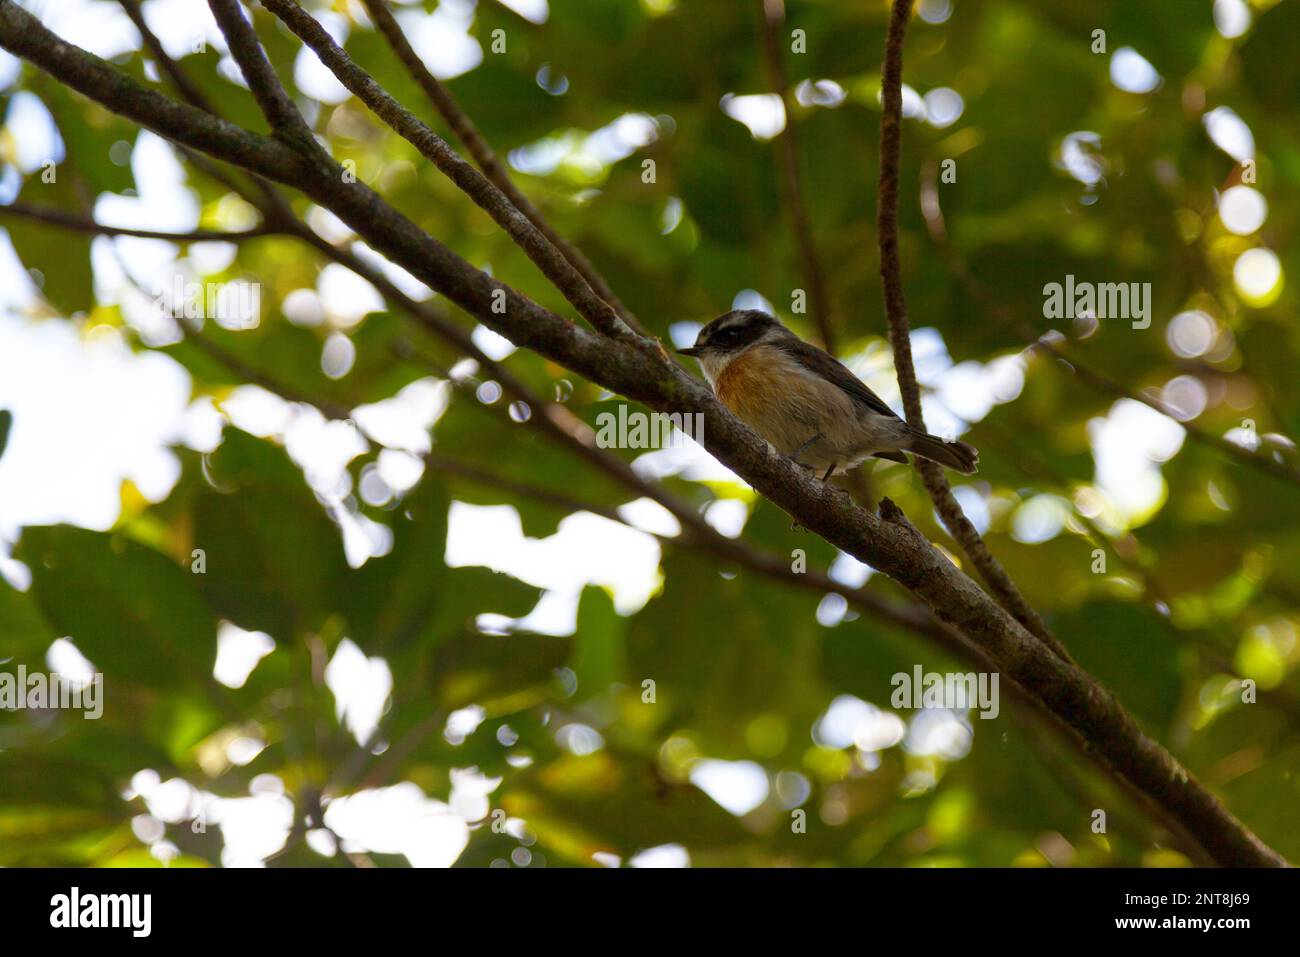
(807, 403)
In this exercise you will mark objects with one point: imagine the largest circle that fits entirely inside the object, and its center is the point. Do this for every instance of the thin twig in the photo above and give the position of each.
(273, 207)
(84, 224)
(187, 87)
(932, 475)
(327, 408)
(772, 16)
(474, 184)
(487, 160)
(1103, 383)
(1069, 361)
(1126, 551)
(267, 90)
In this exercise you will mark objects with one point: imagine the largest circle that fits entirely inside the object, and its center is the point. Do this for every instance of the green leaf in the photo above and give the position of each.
(612, 802)
(274, 558)
(133, 612)
(269, 556)
(61, 258)
(1132, 651)
(6, 424)
(474, 668)
(598, 643)
(24, 631)
(394, 596)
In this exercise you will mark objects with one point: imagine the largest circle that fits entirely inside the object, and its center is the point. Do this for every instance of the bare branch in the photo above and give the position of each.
(1103, 383)
(331, 410)
(932, 475)
(92, 77)
(272, 205)
(486, 159)
(189, 90)
(772, 16)
(266, 87)
(83, 224)
(487, 196)
(1069, 361)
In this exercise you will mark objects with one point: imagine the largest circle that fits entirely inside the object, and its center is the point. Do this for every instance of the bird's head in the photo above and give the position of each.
(732, 333)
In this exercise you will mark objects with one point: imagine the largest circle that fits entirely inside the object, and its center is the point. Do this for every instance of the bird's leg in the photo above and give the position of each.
(795, 526)
(834, 488)
(804, 448)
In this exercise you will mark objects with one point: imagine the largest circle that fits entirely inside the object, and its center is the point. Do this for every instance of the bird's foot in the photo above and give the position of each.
(804, 448)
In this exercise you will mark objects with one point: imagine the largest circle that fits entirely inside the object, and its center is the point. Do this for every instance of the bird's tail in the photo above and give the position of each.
(954, 455)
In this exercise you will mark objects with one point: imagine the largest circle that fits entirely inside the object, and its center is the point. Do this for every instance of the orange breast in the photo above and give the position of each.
(778, 399)
(740, 386)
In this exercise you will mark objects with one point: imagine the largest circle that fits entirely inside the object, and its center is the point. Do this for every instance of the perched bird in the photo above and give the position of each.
(807, 403)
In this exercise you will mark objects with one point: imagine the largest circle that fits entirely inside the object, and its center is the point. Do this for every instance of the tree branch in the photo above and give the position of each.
(268, 91)
(1085, 373)
(908, 616)
(550, 421)
(936, 483)
(83, 224)
(772, 16)
(1103, 383)
(559, 425)
(189, 90)
(24, 36)
(271, 204)
(484, 156)
(485, 194)
(327, 408)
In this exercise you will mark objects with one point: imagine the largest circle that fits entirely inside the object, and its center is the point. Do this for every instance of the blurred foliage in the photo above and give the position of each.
(1201, 591)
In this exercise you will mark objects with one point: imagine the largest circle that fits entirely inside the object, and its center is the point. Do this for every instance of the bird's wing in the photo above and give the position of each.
(826, 366)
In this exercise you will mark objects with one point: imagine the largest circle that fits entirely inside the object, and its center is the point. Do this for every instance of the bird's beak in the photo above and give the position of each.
(689, 351)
